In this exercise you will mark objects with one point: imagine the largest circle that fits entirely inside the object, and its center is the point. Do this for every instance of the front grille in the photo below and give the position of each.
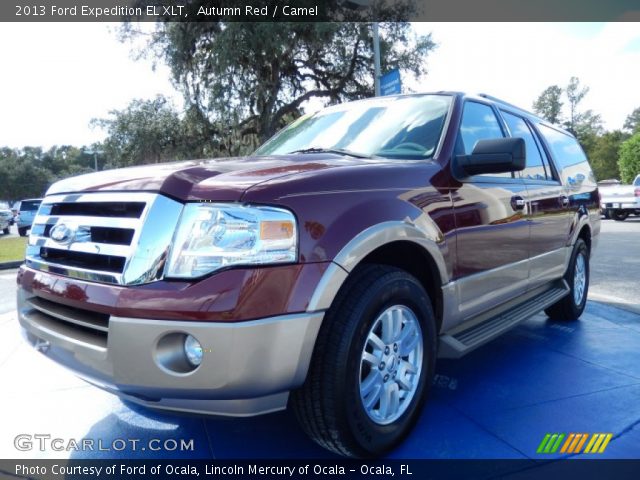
(105, 263)
(97, 209)
(80, 325)
(120, 238)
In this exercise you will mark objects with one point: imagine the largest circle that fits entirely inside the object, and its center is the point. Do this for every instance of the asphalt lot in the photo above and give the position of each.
(615, 267)
(497, 402)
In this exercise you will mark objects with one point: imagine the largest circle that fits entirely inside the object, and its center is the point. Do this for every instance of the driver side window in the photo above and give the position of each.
(479, 122)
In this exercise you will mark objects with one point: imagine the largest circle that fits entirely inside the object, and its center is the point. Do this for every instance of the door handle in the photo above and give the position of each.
(517, 202)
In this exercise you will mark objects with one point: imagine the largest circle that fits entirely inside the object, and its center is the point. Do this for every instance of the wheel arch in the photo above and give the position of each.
(399, 244)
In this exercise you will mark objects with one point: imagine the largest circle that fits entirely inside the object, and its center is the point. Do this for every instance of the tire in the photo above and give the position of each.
(5, 231)
(607, 214)
(619, 215)
(577, 277)
(22, 231)
(330, 404)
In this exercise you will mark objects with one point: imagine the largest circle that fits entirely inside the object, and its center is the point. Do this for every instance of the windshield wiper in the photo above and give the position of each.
(340, 151)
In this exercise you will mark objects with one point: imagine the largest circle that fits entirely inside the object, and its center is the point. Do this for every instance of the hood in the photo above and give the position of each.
(223, 179)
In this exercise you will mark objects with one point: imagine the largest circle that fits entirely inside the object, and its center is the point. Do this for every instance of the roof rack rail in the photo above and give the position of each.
(496, 99)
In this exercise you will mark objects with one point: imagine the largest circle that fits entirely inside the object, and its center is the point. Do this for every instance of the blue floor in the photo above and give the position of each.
(498, 402)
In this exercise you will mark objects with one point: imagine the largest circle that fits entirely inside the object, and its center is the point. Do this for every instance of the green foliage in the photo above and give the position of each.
(575, 95)
(604, 153)
(632, 123)
(148, 131)
(629, 162)
(549, 104)
(245, 81)
(28, 172)
(22, 174)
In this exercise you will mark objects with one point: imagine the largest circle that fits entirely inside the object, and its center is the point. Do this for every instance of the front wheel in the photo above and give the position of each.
(22, 231)
(6, 231)
(577, 277)
(372, 364)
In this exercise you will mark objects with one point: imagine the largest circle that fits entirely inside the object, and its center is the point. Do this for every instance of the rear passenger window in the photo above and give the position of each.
(479, 122)
(535, 169)
(565, 149)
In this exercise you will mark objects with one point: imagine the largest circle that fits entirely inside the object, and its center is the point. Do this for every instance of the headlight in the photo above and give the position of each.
(211, 236)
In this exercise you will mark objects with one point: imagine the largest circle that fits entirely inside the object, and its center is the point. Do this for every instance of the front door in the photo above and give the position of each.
(492, 228)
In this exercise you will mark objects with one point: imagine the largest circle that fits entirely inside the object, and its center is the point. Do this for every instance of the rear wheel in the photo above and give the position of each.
(22, 231)
(577, 277)
(6, 231)
(372, 365)
(619, 215)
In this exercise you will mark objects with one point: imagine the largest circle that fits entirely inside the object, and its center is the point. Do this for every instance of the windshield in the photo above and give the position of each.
(392, 127)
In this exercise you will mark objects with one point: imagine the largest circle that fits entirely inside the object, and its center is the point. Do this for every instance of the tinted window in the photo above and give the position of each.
(565, 149)
(535, 169)
(26, 206)
(478, 123)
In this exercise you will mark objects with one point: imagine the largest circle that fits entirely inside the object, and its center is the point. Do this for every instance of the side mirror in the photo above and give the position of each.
(497, 155)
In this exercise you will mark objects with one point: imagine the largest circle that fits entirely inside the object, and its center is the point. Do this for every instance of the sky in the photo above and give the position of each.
(56, 77)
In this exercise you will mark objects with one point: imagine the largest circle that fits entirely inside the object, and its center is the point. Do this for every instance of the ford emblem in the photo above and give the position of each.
(62, 233)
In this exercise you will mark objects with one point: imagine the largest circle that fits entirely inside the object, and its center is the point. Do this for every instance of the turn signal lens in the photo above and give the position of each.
(276, 230)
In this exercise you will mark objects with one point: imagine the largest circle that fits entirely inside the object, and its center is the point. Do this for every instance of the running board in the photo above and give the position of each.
(455, 345)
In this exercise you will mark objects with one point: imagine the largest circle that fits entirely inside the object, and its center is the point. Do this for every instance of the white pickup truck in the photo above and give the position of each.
(620, 201)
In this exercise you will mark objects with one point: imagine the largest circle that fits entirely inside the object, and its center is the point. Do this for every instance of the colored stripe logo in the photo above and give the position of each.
(574, 443)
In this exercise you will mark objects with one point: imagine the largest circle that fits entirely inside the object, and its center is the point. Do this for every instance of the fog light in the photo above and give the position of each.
(193, 350)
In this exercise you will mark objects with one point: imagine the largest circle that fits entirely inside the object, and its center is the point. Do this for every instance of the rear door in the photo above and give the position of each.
(547, 205)
(492, 229)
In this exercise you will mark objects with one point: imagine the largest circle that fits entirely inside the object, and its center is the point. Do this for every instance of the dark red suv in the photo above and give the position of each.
(327, 271)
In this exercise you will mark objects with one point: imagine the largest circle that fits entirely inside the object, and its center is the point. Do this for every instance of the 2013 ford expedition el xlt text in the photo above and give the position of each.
(327, 271)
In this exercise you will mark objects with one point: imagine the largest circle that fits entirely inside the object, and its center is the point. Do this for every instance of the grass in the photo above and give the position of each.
(12, 248)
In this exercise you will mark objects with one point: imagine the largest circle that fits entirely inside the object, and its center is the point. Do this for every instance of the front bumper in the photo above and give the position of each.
(247, 368)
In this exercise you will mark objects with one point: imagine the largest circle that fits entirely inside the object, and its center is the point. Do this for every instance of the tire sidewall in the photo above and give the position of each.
(375, 438)
(580, 248)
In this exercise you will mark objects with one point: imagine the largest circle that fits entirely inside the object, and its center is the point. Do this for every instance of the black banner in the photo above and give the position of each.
(317, 10)
(320, 469)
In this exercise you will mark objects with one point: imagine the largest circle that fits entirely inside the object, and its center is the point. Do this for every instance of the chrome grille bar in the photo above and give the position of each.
(136, 256)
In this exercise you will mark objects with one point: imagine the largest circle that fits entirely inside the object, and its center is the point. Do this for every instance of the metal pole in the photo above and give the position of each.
(376, 58)
(95, 160)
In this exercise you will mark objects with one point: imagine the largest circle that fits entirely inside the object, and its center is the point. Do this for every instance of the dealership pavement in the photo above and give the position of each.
(498, 402)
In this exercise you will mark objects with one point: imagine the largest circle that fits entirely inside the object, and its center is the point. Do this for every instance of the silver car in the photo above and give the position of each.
(5, 217)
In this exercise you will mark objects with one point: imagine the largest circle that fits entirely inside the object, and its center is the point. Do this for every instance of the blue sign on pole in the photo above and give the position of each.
(390, 83)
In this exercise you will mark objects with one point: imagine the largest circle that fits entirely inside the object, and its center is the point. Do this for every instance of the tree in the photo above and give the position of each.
(629, 162)
(146, 131)
(575, 95)
(604, 155)
(250, 79)
(549, 104)
(22, 175)
(632, 123)
(588, 129)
